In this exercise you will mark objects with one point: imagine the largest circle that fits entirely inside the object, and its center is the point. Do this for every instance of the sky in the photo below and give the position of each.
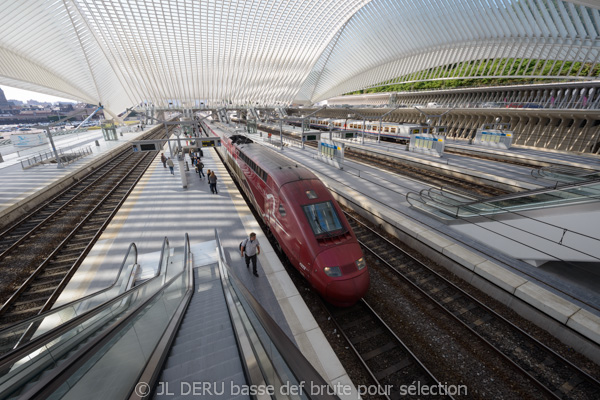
(24, 95)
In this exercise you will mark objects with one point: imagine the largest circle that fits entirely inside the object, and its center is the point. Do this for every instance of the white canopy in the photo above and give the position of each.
(185, 52)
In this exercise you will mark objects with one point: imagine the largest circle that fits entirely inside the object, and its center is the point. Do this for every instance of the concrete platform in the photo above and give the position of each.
(560, 303)
(516, 152)
(160, 207)
(19, 184)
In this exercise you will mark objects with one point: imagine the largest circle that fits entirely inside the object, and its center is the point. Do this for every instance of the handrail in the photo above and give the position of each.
(63, 372)
(299, 366)
(29, 323)
(153, 369)
(538, 191)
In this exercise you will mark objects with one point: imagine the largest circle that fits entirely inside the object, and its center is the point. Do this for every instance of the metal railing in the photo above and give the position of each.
(48, 156)
(54, 336)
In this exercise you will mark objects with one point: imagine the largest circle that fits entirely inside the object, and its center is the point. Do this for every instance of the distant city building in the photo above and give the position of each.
(3, 101)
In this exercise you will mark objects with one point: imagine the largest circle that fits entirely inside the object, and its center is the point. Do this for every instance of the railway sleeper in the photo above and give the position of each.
(82, 239)
(42, 289)
(20, 315)
(380, 350)
(65, 258)
(480, 321)
(392, 369)
(76, 247)
(97, 220)
(69, 250)
(29, 225)
(464, 310)
(28, 304)
(361, 338)
(43, 280)
(353, 323)
(53, 265)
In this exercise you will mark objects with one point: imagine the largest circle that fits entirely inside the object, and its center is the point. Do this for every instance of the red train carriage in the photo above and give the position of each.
(304, 218)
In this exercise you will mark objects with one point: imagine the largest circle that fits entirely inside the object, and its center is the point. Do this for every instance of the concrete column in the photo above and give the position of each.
(181, 163)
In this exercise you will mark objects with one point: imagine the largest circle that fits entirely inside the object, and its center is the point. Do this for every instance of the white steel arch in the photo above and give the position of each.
(126, 52)
(411, 40)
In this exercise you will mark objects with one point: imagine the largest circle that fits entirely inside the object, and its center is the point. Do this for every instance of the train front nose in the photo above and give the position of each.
(344, 275)
(346, 292)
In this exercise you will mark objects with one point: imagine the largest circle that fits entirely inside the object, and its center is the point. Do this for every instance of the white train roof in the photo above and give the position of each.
(241, 52)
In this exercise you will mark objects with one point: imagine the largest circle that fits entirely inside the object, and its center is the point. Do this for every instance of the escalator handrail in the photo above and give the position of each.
(35, 318)
(537, 191)
(294, 359)
(63, 372)
(18, 353)
(45, 314)
(153, 367)
(9, 358)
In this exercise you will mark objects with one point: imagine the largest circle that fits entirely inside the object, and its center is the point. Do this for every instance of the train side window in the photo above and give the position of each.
(282, 210)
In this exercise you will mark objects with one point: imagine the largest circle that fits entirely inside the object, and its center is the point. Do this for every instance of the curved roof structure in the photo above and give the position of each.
(186, 52)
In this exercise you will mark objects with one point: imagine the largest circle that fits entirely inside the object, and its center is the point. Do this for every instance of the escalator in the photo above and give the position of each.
(450, 205)
(132, 339)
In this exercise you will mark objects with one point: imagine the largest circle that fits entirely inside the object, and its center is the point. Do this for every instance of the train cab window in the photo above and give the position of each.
(282, 210)
(322, 218)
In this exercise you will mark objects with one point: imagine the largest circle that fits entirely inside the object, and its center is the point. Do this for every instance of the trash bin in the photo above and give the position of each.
(97, 143)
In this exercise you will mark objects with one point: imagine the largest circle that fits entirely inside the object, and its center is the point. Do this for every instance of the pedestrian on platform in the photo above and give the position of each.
(163, 159)
(212, 180)
(249, 249)
(171, 165)
(200, 167)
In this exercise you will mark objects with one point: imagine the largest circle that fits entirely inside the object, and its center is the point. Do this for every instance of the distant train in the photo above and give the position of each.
(304, 218)
(389, 130)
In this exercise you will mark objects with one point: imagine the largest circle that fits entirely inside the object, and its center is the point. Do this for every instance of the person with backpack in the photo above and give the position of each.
(250, 248)
(171, 165)
(200, 167)
(212, 180)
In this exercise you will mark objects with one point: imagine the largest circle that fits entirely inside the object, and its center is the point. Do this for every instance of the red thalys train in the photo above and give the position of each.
(304, 218)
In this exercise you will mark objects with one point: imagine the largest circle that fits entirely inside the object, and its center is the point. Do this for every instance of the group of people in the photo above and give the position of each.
(167, 161)
(198, 165)
(249, 248)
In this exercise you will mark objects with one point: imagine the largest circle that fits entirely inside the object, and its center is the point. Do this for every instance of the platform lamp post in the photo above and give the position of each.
(281, 133)
(58, 163)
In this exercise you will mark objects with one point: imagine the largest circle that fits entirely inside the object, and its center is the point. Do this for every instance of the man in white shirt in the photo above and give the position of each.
(251, 248)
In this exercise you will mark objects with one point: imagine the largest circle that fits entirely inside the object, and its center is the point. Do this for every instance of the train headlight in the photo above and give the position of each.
(332, 271)
(360, 263)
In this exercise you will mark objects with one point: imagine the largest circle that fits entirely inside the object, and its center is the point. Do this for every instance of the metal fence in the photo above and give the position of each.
(48, 156)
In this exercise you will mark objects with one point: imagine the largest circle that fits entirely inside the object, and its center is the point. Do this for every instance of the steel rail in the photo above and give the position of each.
(479, 304)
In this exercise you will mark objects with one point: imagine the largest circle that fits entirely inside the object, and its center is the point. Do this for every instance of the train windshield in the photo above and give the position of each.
(322, 218)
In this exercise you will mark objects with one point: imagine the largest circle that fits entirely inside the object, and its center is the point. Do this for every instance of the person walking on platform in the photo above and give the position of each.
(171, 165)
(200, 167)
(251, 248)
(212, 179)
(163, 159)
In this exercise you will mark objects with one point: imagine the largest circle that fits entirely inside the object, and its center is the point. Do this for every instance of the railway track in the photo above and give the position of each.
(40, 252)
(550, 372)
(388, 361)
